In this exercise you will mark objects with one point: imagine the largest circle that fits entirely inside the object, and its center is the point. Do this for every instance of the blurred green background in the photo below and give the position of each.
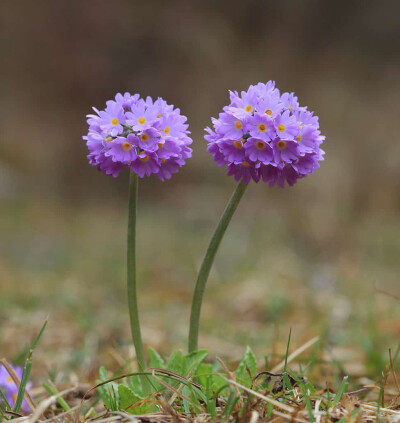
(310, 257)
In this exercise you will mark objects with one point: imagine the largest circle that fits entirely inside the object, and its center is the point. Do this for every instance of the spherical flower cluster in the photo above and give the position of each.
(264, 135)
(10, 389)
(144, 135)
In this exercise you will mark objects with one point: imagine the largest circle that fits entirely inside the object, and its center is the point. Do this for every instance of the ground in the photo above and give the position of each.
(67, 262)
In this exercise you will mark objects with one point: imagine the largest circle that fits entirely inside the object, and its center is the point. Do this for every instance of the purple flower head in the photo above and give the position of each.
(138, 134)
(263, 134)
(10, 389)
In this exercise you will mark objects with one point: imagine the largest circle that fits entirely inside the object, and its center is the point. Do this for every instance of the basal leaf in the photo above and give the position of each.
(248, 364)
(193, 360)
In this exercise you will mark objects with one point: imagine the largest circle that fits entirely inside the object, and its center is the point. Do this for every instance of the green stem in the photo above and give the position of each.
(131, 276)
(207, 263)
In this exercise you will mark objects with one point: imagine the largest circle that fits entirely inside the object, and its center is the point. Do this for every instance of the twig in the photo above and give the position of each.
(276, 403)
(385, 410)
(394, 373)
(168, 409)
(179, 389)
(387, 293)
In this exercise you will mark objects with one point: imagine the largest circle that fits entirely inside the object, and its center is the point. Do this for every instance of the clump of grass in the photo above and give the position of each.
(193, 388)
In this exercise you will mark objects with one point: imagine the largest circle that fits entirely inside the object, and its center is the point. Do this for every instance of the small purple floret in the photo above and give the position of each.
(146, 136)
(10, 389)
(264, 135)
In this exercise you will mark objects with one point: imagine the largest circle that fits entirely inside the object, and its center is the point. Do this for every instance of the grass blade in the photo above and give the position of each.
(342, 390)
(27, 370)
(52, 390)
(4, 400)
(287, 351)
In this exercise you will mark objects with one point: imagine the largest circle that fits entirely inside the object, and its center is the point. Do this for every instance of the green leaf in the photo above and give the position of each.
(155, 360)
(126, 397)
(136, 385)
(108, 392)
(193, 360)
(109, 395)
(210, 398)
(248, 364)
(204, 373)
(175, 362)
(103, 374)
(218, 380)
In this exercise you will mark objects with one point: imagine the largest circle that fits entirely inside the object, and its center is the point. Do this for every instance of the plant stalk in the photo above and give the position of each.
(207, 263)
(131, 277)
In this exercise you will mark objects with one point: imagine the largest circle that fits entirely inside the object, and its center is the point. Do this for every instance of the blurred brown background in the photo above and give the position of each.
(309, 257)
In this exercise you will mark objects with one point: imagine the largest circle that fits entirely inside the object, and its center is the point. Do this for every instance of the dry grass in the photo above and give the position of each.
(367, 404)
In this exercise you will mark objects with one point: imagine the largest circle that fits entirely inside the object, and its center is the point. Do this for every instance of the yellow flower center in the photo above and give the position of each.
(281, 127)
(163, 160)
(160, 145)
(238, 144)
(268, 112)
(238, 124)
(290, 107)
(298, 138)
(166, 130)
(108, 139)
(248, 108)
(246, 164)
(262, 127)
(9, 379)
(126, 146)
(144, 137)
(144, 159)
(114, 121)
(141, 120)
(159, 115)
(281, 144)
(260, 145)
